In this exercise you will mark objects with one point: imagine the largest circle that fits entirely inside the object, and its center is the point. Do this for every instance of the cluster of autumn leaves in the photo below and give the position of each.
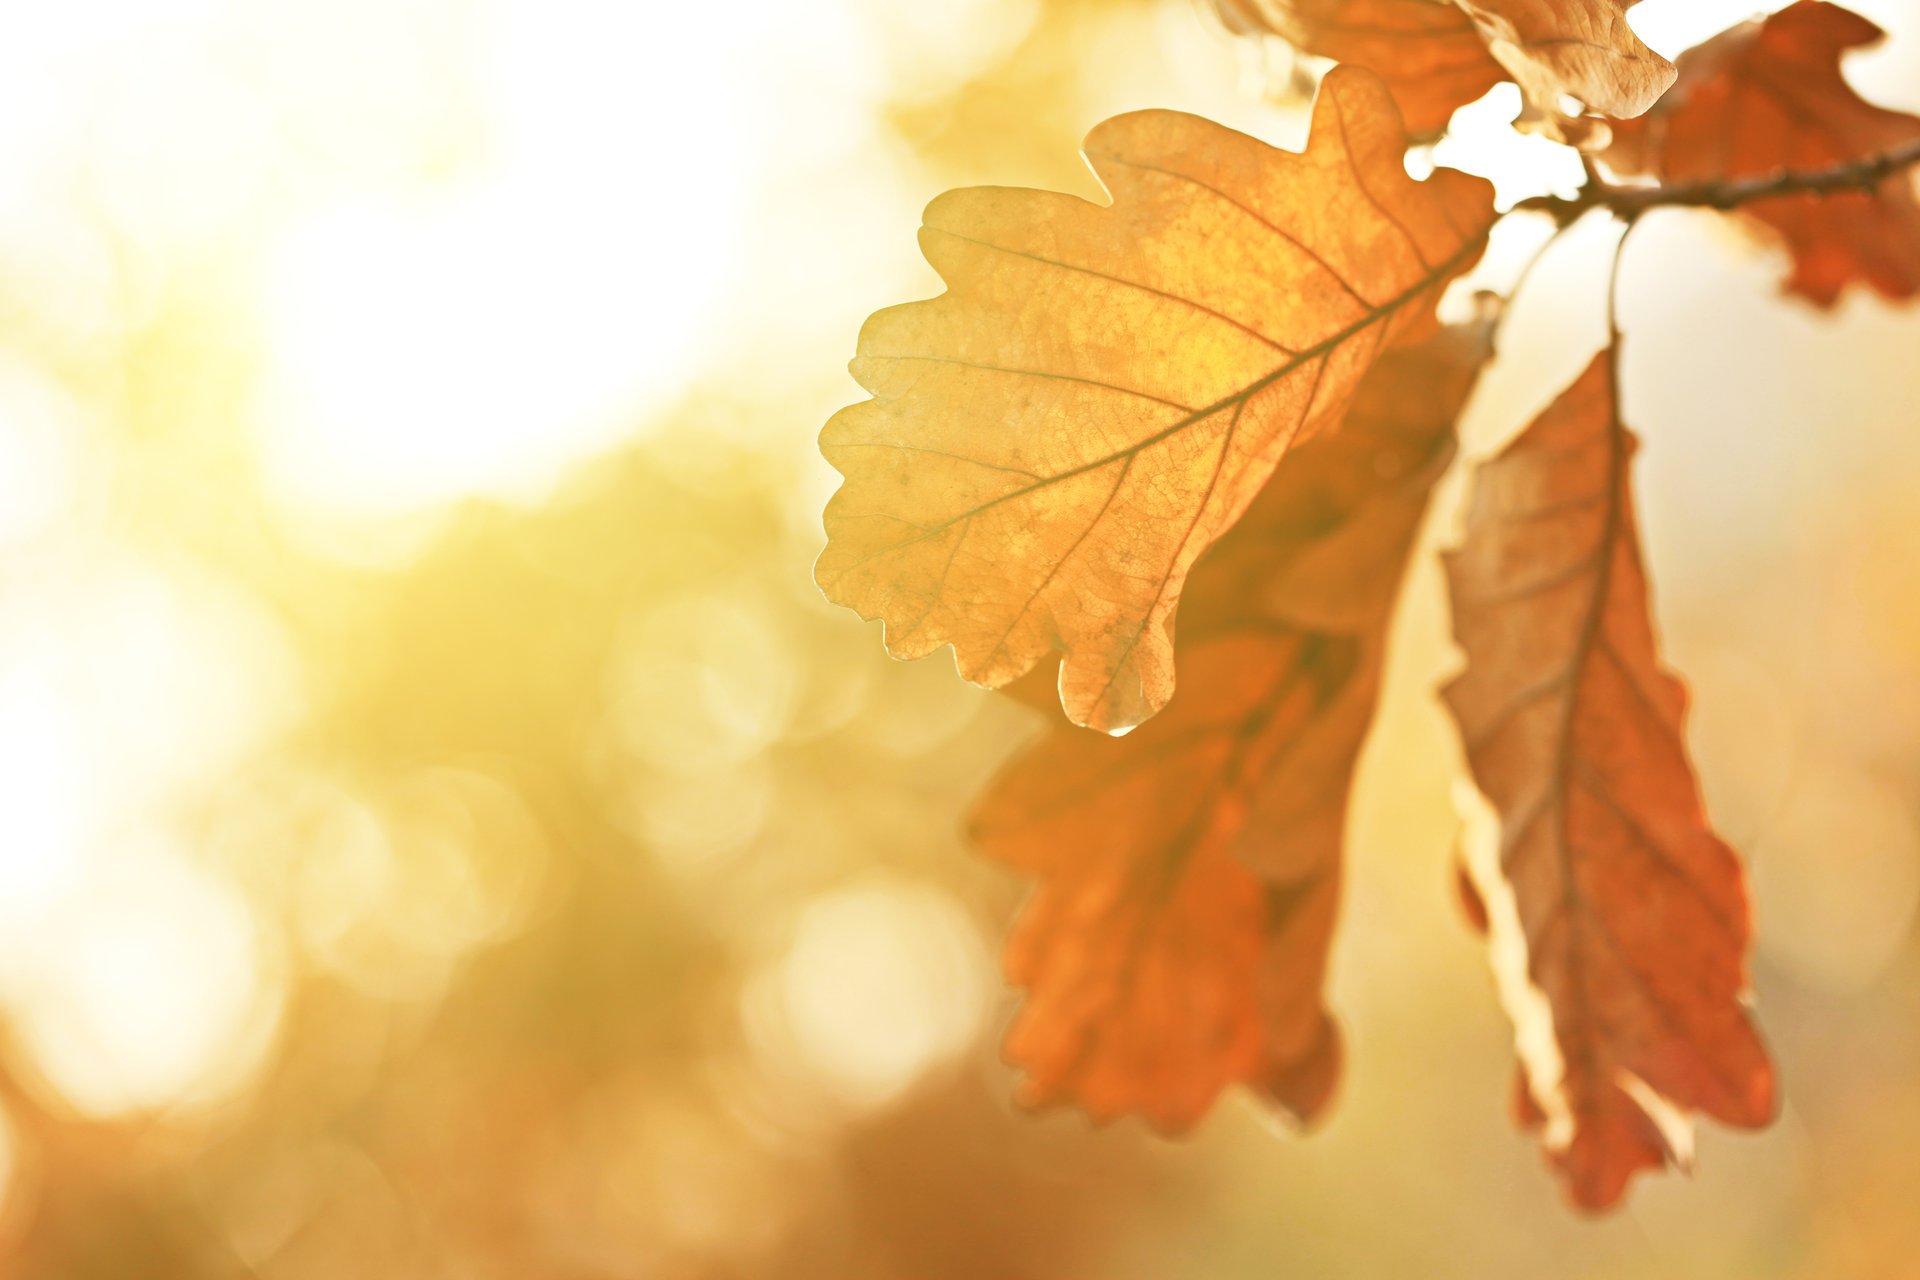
(1224, 395)
(1568, 59)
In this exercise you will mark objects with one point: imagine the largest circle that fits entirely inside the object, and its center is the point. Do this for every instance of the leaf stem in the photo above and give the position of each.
(1628, 203)
(1613, 305)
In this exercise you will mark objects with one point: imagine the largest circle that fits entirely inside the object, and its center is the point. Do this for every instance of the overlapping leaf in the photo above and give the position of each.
(1189, 872)
(1618, 919)
(1103, 389)
(1767, 97)
(1430, 53)
(1578, 49)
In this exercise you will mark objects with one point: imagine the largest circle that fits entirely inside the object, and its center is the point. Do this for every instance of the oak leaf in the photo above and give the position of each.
(1767, 97)
(1429, 53)
(1189, 872)
(1579, 49)
(1104, 388)
(1617, 919)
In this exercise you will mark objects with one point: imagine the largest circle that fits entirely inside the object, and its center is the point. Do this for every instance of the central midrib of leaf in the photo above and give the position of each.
(1375, 314)
(1570, 902)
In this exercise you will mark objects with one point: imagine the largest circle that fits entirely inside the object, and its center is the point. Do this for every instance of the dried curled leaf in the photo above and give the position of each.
(1767, 97)
(1617, 919)
(1429, 52)
(1579, 49)
(1103, 389)
(1189, 871)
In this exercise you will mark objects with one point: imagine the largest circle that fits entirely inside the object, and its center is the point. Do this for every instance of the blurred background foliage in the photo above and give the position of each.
(443, 833)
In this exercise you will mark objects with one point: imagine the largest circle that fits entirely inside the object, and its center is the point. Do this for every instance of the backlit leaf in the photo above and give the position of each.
(1617, 919)
(1189, 872)
(1572, 49)
(1766, 97)
(1429, 53)
(1104, 388)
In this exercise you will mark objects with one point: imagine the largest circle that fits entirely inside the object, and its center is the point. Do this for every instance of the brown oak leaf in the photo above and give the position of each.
(1767, 97)
(1189, 872)
(1579, 49)
(1429, 52)
(1104, 388)
(1617, 919)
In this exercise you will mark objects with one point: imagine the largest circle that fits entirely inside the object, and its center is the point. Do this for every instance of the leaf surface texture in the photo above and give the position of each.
(1102, 390)
(1579, 49)
(1768, 97)
(1430, 54)
(1188, 873)
(1617, 919)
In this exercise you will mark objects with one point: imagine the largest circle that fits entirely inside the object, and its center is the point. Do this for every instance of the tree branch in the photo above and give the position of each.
(1629, 203)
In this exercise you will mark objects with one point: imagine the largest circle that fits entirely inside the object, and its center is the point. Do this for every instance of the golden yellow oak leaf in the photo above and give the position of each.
(1104, 388)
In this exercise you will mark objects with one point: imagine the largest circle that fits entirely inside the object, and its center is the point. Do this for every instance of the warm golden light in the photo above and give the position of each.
(150, 991)
(445, 831)
(881, 984)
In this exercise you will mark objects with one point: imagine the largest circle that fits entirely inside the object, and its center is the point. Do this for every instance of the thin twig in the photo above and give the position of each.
(1629, 203)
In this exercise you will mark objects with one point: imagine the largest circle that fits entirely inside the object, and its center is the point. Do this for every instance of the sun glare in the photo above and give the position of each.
(475, 336)
(149, 991)
(129, 973)
(882, 983)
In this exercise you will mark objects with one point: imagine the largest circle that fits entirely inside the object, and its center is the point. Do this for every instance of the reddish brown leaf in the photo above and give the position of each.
(1104, 389)
(1579, 49)
(1617, 918)
(1767, 97)
(1189, 871)
(1429, 53)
